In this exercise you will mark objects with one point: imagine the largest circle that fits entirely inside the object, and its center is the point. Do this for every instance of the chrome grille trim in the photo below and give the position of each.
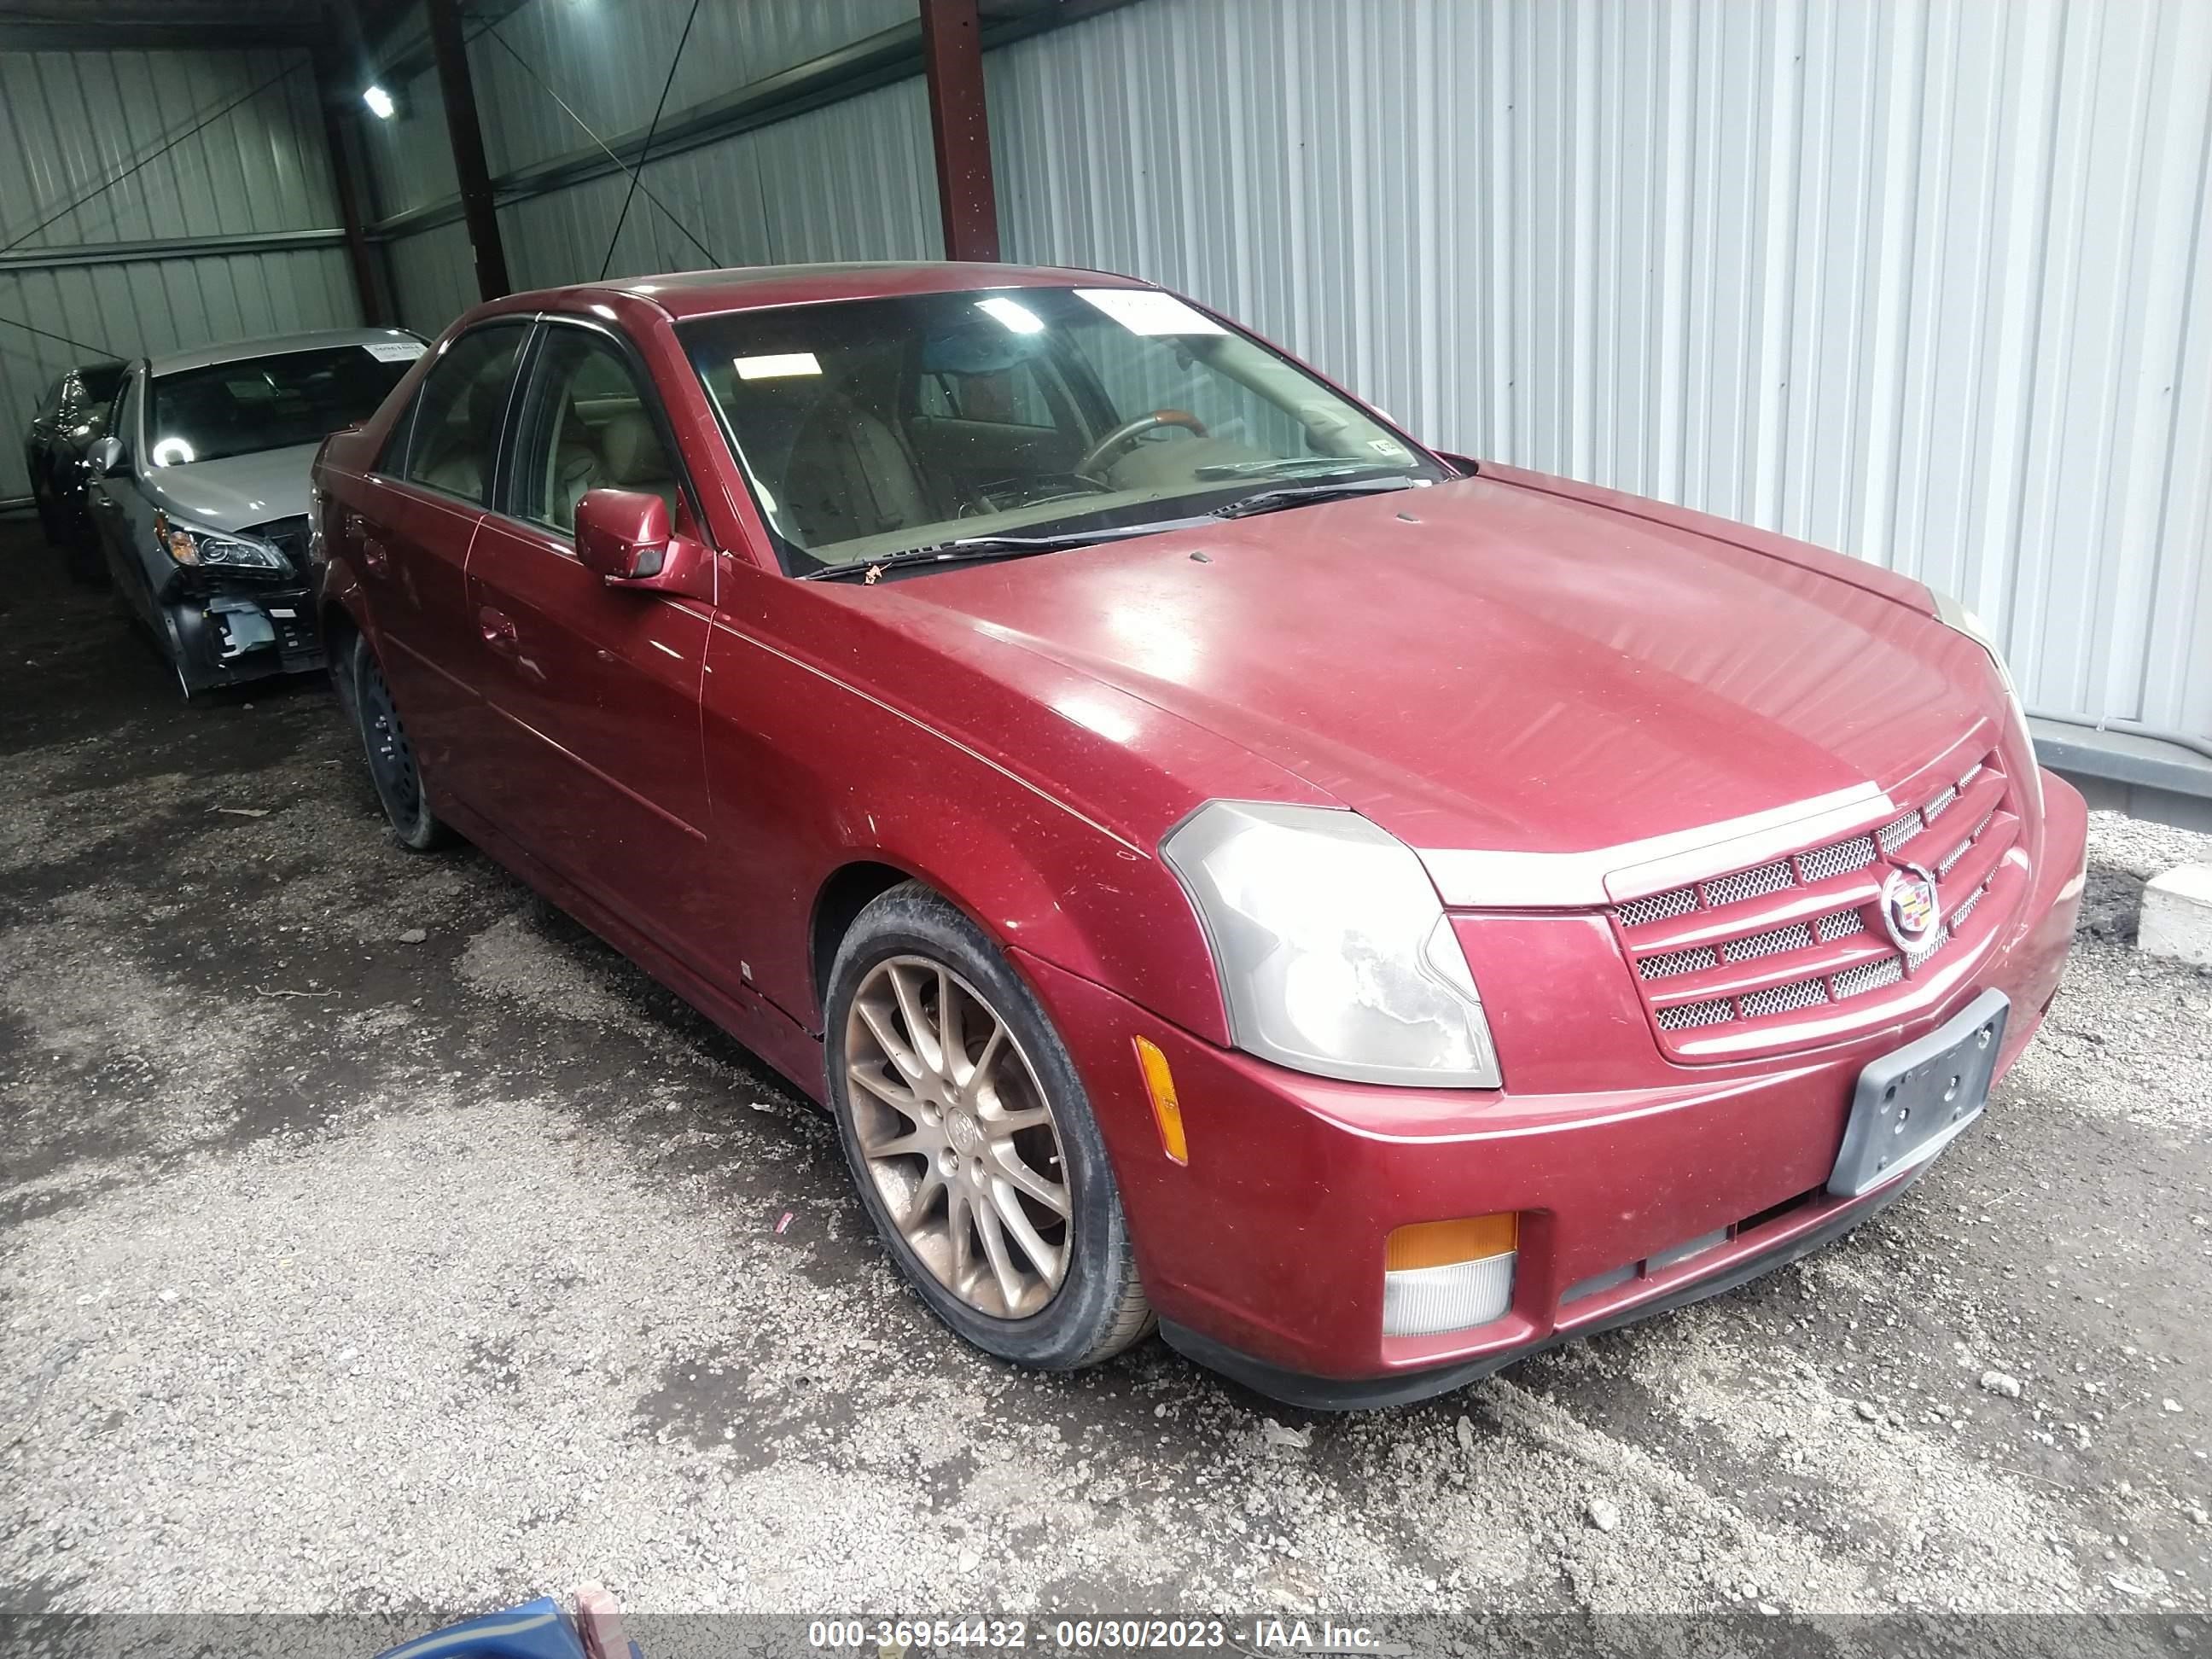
(1848, 931)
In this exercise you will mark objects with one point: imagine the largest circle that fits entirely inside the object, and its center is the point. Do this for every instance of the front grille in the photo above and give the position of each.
(1670, 963)
(1660, 907)
(1795, 937)
(1754, 944)
(1783, 998)
(1839, 859)
(1689, 1016)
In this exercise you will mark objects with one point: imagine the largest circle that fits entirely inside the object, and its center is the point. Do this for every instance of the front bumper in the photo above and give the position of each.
(1263, 1255)
(226, 635)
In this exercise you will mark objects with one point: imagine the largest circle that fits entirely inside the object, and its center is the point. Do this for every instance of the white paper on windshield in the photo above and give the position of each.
(1148, 311)
(395, 351)
(777, 366)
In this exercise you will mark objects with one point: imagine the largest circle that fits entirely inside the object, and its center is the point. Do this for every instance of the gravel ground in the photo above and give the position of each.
(372, 1236)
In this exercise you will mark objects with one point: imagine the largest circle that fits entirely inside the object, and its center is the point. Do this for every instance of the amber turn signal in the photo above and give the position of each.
(1440, 1243)
(1167, 1110)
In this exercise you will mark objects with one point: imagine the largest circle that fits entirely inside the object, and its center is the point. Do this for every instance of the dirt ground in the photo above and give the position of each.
(372, 1236)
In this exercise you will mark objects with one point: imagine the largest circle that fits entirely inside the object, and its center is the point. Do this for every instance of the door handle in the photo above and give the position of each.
(498, 630)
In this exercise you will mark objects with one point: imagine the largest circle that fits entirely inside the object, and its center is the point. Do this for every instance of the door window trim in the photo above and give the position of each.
(522, 410)
(402, 431)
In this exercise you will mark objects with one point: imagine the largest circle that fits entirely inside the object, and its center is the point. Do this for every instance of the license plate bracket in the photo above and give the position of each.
(1911, 1105)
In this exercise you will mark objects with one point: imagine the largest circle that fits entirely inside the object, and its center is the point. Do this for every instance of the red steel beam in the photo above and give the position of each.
(960, 125)
(341, 104)
(470, 167)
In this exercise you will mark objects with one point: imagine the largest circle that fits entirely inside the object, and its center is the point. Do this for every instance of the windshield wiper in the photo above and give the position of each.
(969, 549)
(1288, 466)
(1274, 501)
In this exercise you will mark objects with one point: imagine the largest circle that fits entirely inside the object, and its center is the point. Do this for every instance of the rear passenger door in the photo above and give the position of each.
(597, 688)
(410, 540)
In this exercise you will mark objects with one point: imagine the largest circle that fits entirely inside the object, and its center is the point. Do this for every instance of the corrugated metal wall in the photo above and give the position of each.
(69, 120)
(852, 181)
(1928, 283)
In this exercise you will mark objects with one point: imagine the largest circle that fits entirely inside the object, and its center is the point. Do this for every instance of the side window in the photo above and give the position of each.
(590, 425)
(455, 430)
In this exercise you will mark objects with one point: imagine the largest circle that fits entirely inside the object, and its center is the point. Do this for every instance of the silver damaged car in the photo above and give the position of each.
(199, 492)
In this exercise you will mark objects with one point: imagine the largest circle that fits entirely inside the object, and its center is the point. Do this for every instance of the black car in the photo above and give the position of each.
(70, 417)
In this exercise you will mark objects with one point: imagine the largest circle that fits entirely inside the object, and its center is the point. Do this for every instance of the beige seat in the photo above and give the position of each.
(849, 474)
(464, 446)
(631, 458)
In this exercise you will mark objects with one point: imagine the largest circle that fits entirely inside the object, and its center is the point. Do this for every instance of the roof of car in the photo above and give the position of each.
(702, 293)
(273, 345)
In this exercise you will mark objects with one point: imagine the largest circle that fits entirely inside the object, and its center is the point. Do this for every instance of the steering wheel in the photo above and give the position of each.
(1128, 432)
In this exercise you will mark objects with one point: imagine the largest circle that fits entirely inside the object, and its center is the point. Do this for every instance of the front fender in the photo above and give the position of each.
(810, 774)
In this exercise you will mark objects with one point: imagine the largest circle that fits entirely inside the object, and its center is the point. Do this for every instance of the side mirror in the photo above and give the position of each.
(625, 537)
(107, 457)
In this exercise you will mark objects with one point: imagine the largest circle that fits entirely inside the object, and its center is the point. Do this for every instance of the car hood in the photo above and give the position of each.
(1485, 666)
(235, 493)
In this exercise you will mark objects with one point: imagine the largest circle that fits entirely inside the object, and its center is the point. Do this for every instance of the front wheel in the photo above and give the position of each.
(971, 1139)
(392, 765)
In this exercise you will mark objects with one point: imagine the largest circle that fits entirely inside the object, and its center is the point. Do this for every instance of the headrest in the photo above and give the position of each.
(630, 452)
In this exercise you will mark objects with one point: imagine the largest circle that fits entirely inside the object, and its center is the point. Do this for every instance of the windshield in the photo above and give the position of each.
(872, 428)
(264, 403)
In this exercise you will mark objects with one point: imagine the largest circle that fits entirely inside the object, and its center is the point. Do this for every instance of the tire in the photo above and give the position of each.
(1077, 1301)
(390, 757)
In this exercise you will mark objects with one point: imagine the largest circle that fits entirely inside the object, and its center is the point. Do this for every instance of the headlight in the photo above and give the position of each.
(1334, 954)
(205, 548)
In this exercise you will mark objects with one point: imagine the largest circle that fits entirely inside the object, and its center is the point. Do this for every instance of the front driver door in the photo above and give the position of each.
(596, 689)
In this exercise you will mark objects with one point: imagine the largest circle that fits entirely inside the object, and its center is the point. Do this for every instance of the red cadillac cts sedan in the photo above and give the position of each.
(1220, 861)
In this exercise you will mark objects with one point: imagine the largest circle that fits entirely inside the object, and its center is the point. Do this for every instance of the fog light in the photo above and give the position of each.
(1448, 1275)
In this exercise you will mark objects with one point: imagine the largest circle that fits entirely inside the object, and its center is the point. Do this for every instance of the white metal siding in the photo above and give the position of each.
(1929, 281)
(852, 181)
(69, 120)
(610, 63)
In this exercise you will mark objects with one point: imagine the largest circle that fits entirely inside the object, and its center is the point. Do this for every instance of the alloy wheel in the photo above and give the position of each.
(958, 1136)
